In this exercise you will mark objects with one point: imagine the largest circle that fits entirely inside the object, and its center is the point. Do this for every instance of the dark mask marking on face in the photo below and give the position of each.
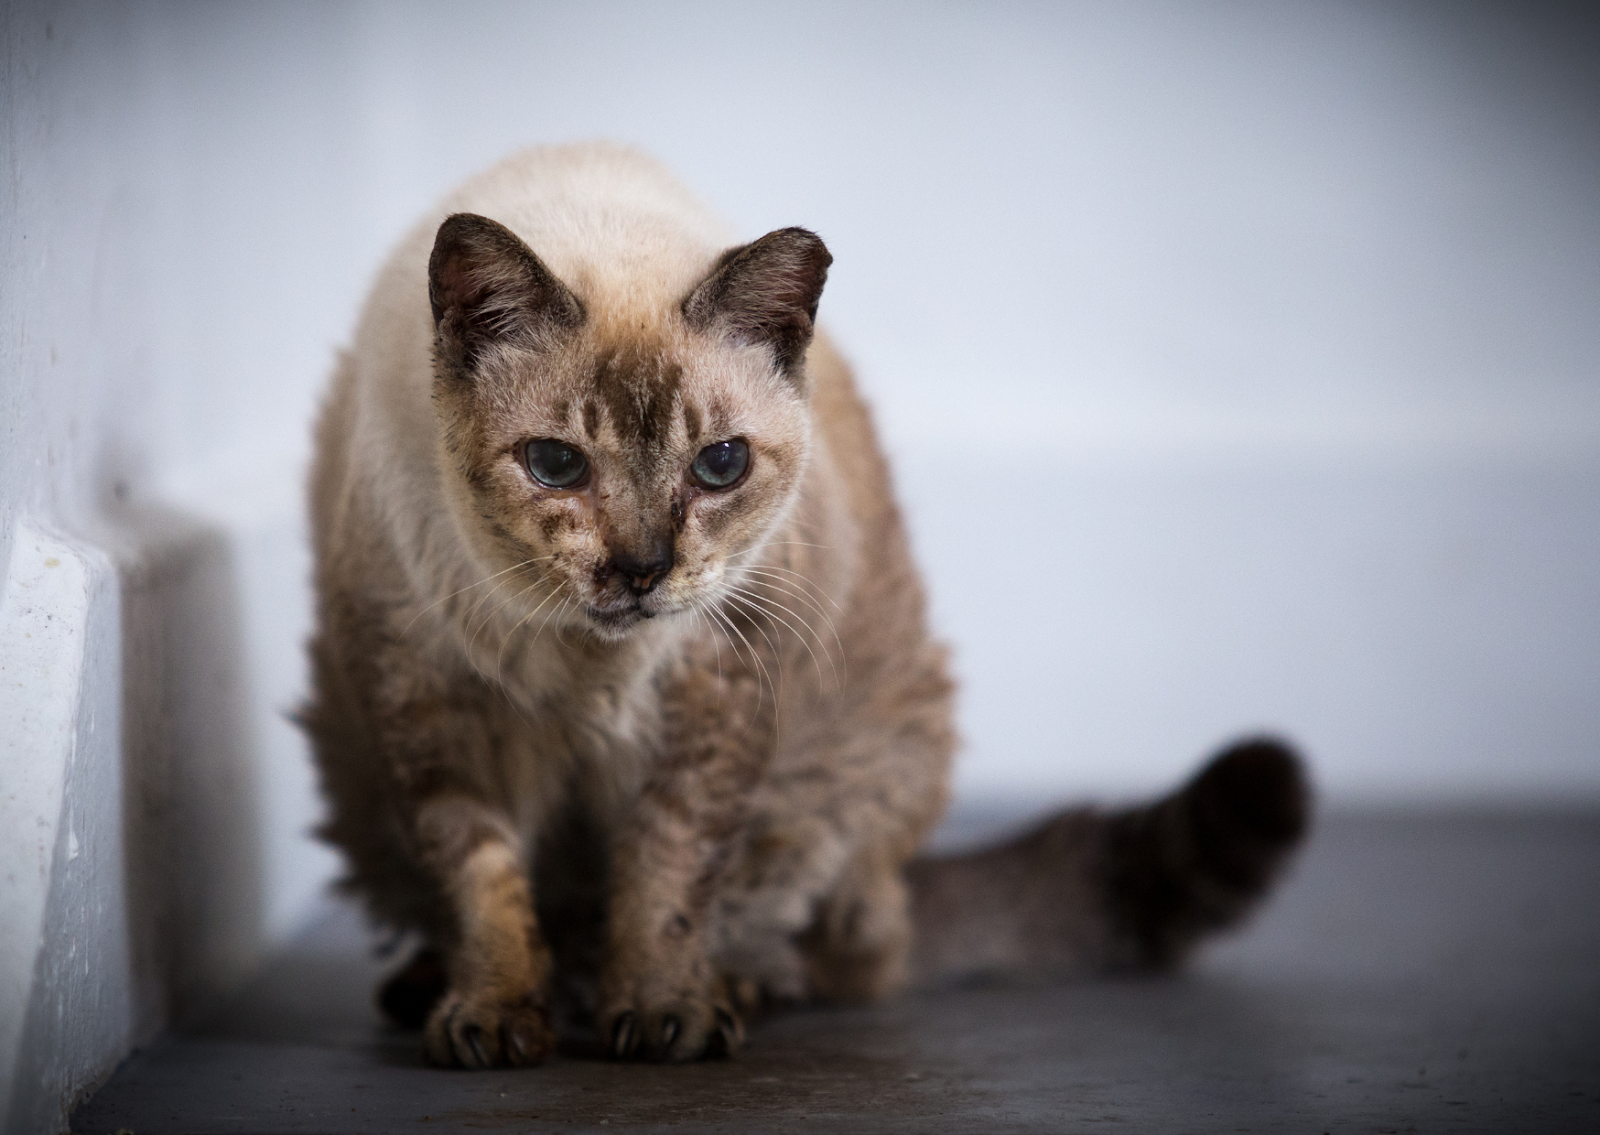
(730, 509)
(640, 390)
(553, 523)
(591, 418)
(506, 537)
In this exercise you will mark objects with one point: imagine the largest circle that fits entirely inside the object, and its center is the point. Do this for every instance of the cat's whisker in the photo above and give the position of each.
(472, 643)
(754, 657)
(804, 621)
(777, 654)
(778, 544)
(469, 587)
(704, 626)
(555, 614)
(781, 587)
(768, 569)
(701, 608)
(735, 639)
(472, 611)
(499, 663)
(784, 596)
(770, 610)
(702, 623)
(765, 605)
(561, 613)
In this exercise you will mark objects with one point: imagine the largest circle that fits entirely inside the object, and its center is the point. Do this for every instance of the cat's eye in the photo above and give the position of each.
(555, 464)
(718, 466)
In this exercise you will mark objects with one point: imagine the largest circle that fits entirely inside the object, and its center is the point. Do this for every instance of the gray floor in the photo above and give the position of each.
(1417, 973)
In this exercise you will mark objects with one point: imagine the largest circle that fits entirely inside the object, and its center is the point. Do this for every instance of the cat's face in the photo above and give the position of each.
(619, 467)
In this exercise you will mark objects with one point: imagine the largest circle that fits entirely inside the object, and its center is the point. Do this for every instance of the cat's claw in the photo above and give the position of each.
(675, 1033)
(727, 1036)
(488, 1032)
(624, 1036)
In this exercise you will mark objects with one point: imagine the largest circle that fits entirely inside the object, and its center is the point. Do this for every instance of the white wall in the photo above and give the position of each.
(1240, 364)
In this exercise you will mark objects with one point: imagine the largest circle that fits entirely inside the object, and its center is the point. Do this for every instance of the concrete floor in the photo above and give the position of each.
(1417, 973)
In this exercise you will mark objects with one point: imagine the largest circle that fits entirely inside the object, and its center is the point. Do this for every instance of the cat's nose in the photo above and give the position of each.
(642, 572)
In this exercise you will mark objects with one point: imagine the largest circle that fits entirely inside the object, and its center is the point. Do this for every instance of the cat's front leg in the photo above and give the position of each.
(661, 998)
(660, 995)
(498, 966)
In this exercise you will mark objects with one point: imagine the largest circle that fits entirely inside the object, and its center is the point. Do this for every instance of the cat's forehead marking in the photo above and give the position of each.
(691, 421)
(639, 389)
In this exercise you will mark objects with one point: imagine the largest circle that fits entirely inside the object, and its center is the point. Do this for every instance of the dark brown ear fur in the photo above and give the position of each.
(765, 292)
(486, 286)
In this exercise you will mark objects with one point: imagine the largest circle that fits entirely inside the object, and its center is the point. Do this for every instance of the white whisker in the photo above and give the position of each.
(499, 663)
(782, 587)
(556, 615)
(777, 655)
(722, 616)
(769, 569)
(765, 605)
(702, 621)
(469, 587)
(473, 641)
(779, 544)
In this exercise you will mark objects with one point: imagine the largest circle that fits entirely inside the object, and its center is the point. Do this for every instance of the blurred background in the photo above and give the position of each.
(1239, 363)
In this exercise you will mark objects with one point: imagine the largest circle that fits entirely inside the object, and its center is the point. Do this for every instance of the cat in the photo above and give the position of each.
(623, 693)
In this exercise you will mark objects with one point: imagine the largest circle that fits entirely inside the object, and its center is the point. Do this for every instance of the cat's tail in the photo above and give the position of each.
(1134, 889)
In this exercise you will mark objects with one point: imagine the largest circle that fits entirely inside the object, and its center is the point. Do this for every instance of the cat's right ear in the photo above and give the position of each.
(487, 287)
(766, 292)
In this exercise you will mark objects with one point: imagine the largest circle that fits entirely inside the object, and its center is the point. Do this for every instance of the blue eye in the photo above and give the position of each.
(555, 464)
(719, 466)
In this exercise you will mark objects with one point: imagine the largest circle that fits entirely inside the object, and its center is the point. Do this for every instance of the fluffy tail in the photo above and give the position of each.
(1101, 891)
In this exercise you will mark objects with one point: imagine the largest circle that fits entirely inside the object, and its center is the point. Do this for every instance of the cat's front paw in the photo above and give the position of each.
(676, 1030)
(487, 1030)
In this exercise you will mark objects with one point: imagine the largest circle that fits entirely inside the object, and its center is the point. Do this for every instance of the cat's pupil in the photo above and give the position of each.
(720, 465)
(555, 463)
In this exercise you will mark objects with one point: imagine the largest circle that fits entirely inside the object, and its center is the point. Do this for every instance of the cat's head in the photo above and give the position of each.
(622, 454)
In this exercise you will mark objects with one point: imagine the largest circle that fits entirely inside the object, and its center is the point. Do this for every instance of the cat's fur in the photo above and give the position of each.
(679, 740)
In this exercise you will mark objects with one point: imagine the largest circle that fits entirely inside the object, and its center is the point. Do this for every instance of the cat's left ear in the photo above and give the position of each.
(766, 293)
(488, 287)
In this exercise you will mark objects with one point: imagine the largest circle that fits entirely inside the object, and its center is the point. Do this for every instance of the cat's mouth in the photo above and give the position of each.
(619, 618)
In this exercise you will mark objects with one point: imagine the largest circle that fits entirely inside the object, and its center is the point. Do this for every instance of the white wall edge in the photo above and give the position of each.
(59, 699)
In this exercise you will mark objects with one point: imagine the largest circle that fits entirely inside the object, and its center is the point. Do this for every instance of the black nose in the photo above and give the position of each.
(642, 572)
